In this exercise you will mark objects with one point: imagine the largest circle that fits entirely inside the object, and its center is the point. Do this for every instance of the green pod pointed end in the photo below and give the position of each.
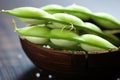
(27, 12)
(3, 10)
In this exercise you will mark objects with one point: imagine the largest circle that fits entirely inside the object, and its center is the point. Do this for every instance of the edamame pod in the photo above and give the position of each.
(71, 48)
(93, 39)
(92, 26)
(84, 13)
(29, 15)
(79, 11)
(34, 13)
(106, 20)
(88, 27)
(50, 8)
(29, 33)
(87, 39)
(34, 31)
(43, 32)
(36, 40)
(27, 12)
(64, 43)
(65, 18)
(68, 18)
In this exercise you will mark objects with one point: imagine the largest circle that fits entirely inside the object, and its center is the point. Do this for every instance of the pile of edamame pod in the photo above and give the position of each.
(73, 27)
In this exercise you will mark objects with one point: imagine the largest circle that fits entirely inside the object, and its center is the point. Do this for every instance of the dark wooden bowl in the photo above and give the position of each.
(67, 64)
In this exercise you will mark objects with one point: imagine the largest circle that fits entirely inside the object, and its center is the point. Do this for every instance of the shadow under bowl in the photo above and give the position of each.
(68, 64)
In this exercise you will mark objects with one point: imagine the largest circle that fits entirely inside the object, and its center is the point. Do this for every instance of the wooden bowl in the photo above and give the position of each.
(69, 64)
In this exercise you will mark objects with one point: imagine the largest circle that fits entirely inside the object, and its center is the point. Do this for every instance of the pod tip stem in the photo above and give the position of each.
(14, 25)
(3, 11)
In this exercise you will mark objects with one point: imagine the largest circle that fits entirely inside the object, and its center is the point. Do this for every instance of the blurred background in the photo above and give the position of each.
(14, 65)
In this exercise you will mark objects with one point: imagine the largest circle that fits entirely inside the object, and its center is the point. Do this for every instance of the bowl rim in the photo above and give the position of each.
(70, 52)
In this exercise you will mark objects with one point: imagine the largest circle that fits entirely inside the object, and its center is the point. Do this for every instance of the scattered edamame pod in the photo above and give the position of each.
(106, 20)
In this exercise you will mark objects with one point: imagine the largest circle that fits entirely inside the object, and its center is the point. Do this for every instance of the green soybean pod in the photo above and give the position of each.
(43, 32)
(27, 12)
(34, 31)
(84, 13)
(107, 36)
(92, 26)
(79, 24)
(62, 47)
(93, 39)
(51, 7)
(63, 43)
(29, 33)
(37, 35)
(35, 13)
(36, 40)
(106, 21)
(76, 10)
(76, 21)
(30, 15)
(88, 27)
(68, 18)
